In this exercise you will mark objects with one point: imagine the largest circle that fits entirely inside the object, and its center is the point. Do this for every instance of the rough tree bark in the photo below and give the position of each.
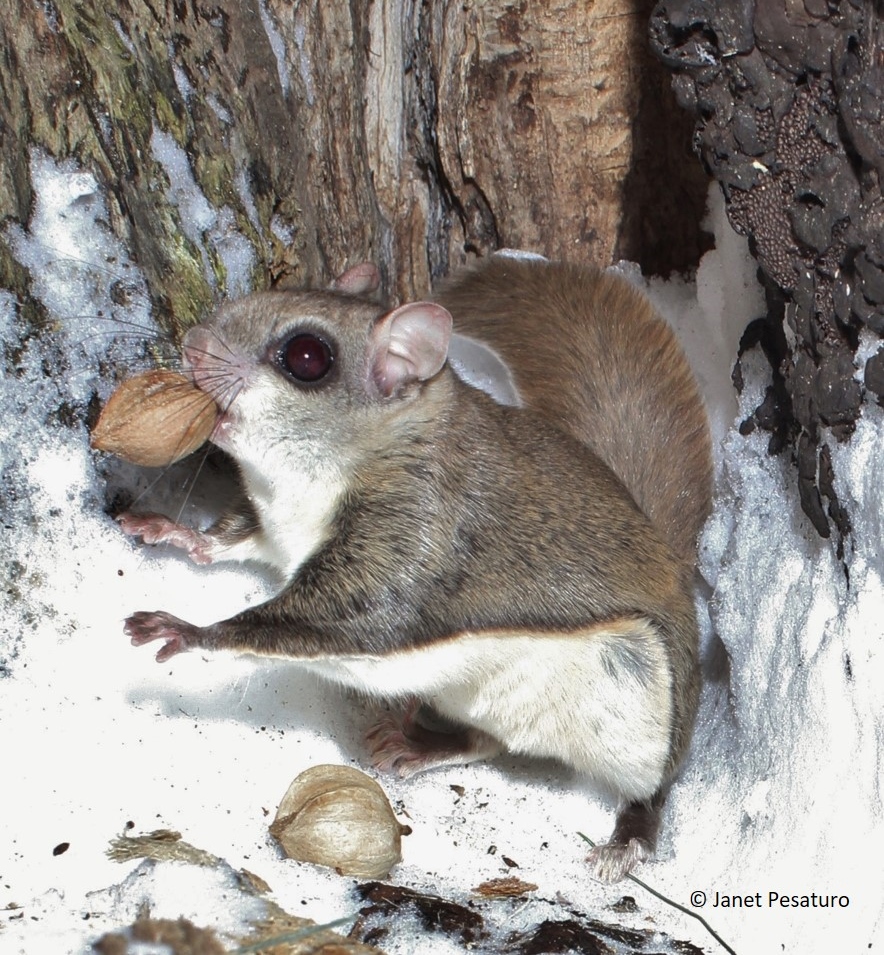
(414, 133)
(787, 96)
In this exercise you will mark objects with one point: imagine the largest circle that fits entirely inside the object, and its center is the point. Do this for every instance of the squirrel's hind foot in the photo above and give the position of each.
(400, 743)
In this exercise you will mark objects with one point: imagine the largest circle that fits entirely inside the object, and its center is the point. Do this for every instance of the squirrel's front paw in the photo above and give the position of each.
(157, 529)
(143, 627)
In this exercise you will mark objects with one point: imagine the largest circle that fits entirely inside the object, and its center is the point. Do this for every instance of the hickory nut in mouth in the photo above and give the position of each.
(337, 816)
(155, 419)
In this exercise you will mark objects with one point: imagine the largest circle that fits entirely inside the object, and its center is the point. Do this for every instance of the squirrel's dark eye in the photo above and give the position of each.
(306, 357)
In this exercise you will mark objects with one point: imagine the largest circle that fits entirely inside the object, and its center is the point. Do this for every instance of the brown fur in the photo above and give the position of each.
(589, 353)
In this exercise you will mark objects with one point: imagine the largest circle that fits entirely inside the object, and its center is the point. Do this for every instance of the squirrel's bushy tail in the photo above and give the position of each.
(590, 354)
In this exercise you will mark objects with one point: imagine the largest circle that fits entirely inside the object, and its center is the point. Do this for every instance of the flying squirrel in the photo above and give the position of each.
(521, 571)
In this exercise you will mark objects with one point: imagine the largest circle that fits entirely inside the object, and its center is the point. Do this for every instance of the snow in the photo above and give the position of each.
(780, 794)
(277, 44)
(213, 231)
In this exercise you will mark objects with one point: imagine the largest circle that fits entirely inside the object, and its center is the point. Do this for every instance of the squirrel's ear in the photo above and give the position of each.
(359, 279)
(408, 345)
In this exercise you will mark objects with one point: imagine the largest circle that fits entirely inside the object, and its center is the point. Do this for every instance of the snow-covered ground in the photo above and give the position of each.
(780, 795)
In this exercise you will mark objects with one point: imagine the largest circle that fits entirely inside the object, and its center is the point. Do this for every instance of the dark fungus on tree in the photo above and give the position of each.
(788, 107)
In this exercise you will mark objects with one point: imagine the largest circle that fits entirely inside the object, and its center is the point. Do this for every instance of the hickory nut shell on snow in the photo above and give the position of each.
(155, 419)
(339, 817)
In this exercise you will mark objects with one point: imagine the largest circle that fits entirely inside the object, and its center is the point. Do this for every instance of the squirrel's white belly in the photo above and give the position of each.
(598, 699)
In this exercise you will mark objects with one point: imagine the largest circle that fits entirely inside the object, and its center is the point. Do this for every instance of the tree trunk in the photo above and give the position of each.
(319, 134)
